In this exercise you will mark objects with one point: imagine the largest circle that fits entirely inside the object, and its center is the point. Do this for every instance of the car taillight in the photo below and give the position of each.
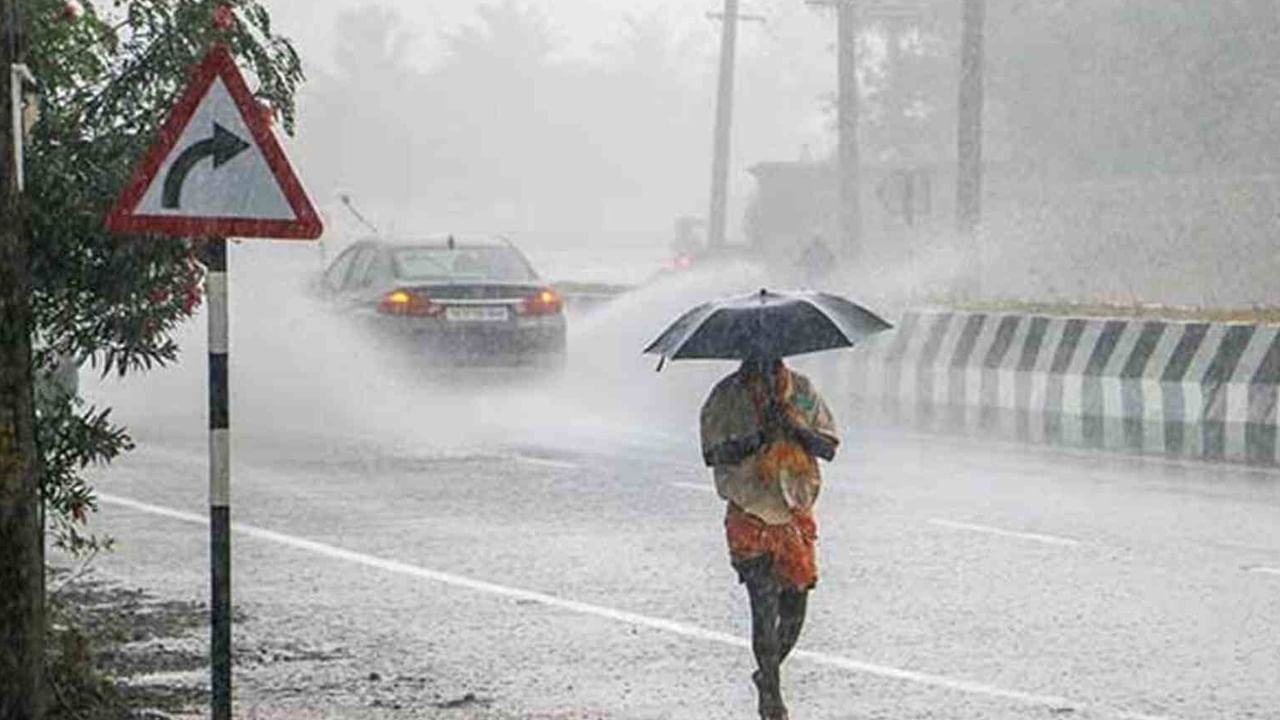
(544, 302)
(408, 302)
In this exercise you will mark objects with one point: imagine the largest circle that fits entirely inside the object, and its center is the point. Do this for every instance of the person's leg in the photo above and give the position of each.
(764, 627)
(792, 605)
(763, 591)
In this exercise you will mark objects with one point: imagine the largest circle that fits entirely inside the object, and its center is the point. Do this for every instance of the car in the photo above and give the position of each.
(457, 300)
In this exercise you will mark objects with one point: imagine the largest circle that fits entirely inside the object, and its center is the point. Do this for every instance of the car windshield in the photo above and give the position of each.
(461, 264)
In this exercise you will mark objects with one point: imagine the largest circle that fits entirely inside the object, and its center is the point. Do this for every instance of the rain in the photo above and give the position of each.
(476, 472)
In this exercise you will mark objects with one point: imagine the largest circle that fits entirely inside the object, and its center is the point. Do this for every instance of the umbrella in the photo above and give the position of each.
(766, 325)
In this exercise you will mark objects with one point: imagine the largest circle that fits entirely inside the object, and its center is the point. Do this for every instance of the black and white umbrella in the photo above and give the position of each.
(766, 325)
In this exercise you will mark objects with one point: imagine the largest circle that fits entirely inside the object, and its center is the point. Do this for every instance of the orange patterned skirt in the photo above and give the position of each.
(790, 547)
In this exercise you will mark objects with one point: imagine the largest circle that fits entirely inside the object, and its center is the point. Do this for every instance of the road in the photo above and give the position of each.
(958, 580)
(555, 550)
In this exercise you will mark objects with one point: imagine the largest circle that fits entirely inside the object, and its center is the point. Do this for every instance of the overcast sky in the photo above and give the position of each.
(780, 111)
(579, 23)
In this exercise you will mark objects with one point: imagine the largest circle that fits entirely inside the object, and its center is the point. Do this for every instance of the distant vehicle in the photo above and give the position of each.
(468, 301)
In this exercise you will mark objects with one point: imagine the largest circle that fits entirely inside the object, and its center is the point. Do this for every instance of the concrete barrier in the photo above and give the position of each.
(585, 297)
(1203, 390)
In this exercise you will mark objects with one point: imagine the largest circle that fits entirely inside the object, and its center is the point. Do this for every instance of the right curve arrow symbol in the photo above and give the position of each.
(222, 147)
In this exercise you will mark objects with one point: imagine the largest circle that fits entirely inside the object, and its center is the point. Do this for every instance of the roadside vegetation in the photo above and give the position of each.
(107, 75)
(106, 640)
(1255, 315)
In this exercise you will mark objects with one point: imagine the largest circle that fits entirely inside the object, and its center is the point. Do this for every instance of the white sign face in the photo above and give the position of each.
(216, 169)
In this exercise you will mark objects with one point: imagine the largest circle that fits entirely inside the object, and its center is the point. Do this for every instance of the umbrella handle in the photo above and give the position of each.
(770, 384)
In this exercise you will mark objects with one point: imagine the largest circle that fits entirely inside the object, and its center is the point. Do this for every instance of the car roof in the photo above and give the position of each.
(462, 241)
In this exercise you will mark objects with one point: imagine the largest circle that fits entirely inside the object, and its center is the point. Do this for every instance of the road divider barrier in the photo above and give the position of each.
(1191, 389)
(582, 297)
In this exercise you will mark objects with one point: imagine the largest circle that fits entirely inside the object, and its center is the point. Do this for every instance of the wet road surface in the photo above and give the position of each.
(958, 580)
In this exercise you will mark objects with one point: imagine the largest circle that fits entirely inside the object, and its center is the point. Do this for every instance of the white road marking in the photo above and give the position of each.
(1024, 449)
(674, 627)
(544, 462)
(185, 678)
(1038, 537)
(695, 486)
(1263, 570)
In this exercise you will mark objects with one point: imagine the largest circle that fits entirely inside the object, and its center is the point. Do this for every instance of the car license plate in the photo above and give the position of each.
(476, 313)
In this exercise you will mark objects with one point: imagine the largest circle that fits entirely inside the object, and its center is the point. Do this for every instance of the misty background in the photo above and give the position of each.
(1131, 154)
(1131, 145)
(566, 124)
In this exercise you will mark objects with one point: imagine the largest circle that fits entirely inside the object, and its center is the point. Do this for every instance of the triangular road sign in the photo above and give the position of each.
(215, 169)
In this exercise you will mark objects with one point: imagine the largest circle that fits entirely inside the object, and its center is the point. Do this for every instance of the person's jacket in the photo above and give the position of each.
(762, 446)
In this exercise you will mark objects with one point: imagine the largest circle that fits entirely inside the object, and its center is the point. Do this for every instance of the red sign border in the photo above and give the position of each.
(217, 63)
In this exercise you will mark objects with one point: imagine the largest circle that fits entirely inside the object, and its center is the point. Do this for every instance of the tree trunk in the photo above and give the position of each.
(969, 129)
(850, 183)
(21, 536)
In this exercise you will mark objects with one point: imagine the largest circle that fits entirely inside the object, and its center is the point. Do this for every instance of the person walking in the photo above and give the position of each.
(763, 429)
(816, 262)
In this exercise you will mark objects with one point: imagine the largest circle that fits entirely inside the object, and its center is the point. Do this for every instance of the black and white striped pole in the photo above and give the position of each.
(244, 153)
(219, 478)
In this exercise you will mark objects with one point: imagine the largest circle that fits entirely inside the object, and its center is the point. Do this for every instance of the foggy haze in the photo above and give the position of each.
(532, 529)
(582, 130)
(581, 23)
(588, 125)
(574, 123)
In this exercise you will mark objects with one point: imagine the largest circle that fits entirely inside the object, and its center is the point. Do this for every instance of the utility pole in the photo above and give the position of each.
(724, 121)
(21, 534)
(729, 20)
(969, 121)
(849, 191)
(848, 113)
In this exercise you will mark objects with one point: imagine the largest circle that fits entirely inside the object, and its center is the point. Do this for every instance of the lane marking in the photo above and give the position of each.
(1038, 537)
(628, 618)
(185, 678)
(695, 486)
(1263, 570)
(544, 462)
(1042, 452)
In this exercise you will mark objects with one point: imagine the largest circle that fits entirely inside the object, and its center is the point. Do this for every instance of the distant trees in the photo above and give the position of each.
(652, 113)
(511, 115)
(506, 124)
(362, 123)
(1133, 86)
(511, 121)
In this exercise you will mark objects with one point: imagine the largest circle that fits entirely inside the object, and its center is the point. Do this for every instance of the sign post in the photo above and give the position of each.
(216, 171)
(219, 477)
